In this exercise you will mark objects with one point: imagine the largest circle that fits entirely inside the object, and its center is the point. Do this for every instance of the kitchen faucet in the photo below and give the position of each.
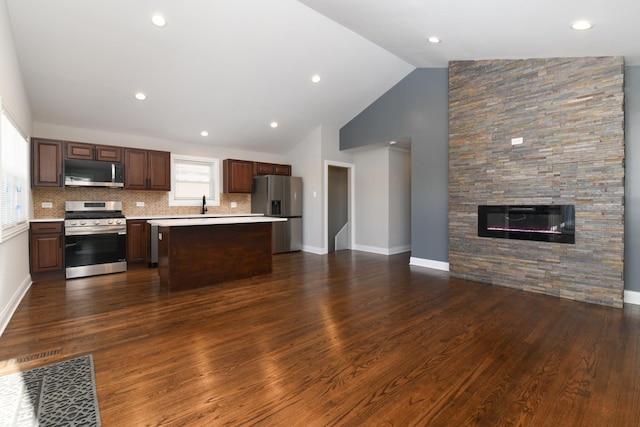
(204, 204)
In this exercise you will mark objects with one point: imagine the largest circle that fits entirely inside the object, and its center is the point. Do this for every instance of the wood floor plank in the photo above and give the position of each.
(341, 339)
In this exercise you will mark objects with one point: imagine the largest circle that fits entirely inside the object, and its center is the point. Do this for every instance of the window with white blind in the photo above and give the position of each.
(14, 178)
(192, 178)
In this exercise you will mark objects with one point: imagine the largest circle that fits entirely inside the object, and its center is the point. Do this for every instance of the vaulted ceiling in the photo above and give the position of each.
(232, 67)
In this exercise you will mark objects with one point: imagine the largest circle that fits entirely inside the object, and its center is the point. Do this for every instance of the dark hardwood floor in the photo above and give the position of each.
(351, 339)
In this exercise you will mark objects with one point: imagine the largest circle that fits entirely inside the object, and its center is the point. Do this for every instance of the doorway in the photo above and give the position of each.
(338, 206)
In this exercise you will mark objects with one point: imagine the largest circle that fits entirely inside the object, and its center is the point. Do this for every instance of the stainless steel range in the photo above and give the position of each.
(95, 238)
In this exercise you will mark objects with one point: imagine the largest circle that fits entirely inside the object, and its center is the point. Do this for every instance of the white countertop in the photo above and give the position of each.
(213, 221)
(150, 217)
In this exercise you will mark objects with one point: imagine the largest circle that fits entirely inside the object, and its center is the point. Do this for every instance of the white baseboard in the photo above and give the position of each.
(399, 249)
(632, 297)
(9, 309)
(314, 250)
(382, 251)
(428, 263)
(370, 249)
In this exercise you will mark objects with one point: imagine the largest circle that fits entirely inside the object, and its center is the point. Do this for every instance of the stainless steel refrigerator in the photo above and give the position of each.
(280, 196)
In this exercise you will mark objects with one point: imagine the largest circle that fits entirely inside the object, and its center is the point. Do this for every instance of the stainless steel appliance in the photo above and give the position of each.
(95, 235)
(280, 196)
(93, 173)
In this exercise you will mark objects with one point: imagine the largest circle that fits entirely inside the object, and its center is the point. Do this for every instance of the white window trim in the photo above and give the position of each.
(214, 200)
(22, 226)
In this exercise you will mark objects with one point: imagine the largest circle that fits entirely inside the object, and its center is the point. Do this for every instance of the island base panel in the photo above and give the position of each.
(201, 255)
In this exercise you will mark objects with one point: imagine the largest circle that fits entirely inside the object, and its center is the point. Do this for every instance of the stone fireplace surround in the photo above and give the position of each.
(570, 114)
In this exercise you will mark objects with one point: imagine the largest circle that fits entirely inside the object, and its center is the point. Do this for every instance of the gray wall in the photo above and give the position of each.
(415, 108)
(632, 190)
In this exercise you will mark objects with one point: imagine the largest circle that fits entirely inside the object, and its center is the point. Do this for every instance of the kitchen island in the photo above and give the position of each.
(199, 252)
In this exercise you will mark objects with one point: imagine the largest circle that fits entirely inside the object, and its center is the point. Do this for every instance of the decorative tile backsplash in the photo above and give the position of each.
(156, 203)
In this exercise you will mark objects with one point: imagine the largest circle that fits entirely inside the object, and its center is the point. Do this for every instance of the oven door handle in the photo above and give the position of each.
(89, 231)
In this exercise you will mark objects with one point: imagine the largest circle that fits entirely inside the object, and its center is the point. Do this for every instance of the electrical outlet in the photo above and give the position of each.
(234, 204)
(517, 141)
(139, 204)
(47, 205)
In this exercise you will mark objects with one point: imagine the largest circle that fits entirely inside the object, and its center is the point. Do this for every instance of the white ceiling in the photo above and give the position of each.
(231, 67)
(491, 29)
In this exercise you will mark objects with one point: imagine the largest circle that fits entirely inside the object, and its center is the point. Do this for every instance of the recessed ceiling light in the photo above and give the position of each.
(204, 133)
(582, 25)
(158, 20)
(274, 124)
(140, 96)
(433, 39)
(316, 78)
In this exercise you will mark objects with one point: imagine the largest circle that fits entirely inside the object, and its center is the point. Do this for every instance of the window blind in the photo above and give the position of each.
(193, 177)
(14, 183)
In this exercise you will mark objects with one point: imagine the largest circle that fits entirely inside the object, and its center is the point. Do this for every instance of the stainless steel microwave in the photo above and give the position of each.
(93, 173)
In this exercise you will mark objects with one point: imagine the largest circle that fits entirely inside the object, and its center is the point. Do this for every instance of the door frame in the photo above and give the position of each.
(351, 172)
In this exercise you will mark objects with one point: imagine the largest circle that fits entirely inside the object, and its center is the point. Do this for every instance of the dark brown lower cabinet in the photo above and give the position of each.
(46, 250)
(138, 248)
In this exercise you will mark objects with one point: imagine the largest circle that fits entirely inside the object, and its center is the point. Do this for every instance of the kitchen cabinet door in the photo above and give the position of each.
(263, 168)
(260, 168)
(46, 249)
(80, 150)
(135, 169)
(282, 170)
(237, 176)
(159, 170)
(147, 170)
(138, 248)
(107, 153)
(46, 163)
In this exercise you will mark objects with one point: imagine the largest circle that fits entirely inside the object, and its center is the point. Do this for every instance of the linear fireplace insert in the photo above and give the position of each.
(545, 223)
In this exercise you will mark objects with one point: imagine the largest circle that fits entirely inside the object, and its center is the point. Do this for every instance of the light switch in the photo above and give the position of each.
(234, 204)
(140, 204)
(517, 141)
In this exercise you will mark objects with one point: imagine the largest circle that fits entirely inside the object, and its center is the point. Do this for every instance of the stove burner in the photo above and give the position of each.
(93, 210)
(92, 215)
(83, 216)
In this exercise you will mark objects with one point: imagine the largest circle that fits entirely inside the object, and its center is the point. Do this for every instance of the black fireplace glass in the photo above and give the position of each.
(545, 223)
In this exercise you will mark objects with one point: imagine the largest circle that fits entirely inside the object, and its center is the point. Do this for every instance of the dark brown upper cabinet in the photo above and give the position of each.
(260, 168)
(237, 176)
(81, 150)
(46, 163)
(147, 170)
